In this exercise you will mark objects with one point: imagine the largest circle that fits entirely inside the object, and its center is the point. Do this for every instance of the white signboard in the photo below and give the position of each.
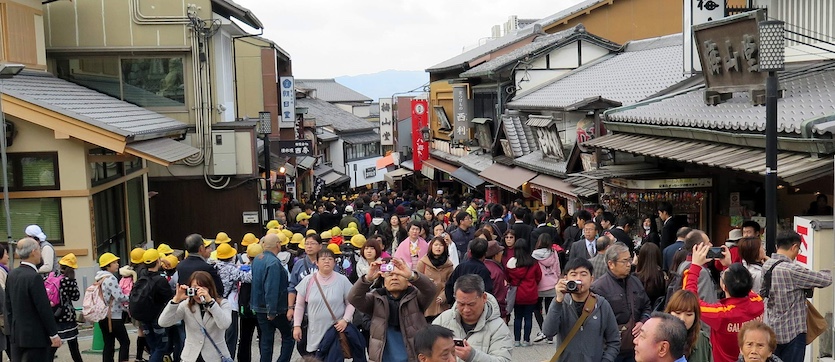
(698, 12)
(803, 226)
(364, 172)
(287, 96)
(386, 122)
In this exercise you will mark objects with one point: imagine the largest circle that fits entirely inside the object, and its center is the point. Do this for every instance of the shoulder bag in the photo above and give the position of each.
(343, 339)
(222, 357)
(588, 307)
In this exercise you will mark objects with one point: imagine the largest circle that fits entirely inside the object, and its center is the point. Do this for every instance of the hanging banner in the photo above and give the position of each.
(287, 94)
(463, 106)
(698, 12)
(420, 120)
(386, 123)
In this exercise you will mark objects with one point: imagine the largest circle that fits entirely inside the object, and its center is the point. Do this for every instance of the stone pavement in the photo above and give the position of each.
(538, 352)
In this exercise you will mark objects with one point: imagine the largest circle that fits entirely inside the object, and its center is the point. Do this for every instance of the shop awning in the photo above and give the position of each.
(334, 178)
(385, 161)
(305, 162)
(583, 186)
(553, 185)
(396, 175)
(792, 167)
(408, 164)
(163, 151)
(440, 165)
(508, 178)
(467, 177)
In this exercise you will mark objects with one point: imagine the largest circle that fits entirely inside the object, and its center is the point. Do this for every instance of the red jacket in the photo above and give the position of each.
(725, 318)
(527, 281)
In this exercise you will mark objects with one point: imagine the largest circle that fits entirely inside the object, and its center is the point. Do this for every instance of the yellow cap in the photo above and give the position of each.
(150, 256)
(172, 261)
(164, 249)
(336, 231)
(69, 260)
(274, 231)
(225, 251)
(273, 224)
(358, 241)
(302, 216)
(136, 255)
(207, 243)
(310, 232)
(301, 244)
(222, 238)
(283, 239)
(335, 249)
(325, 235)
(287, 233)
(352, 225)
(297, 238)
(349, 232)
(107, 258)
(253, 250)
(213, 255)
(249, 239)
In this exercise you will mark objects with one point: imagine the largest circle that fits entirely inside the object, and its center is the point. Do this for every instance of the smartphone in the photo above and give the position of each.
(458, 342)
(715, 253)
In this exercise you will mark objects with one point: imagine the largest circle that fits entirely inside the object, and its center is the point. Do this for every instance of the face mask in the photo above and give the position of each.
(646, 228)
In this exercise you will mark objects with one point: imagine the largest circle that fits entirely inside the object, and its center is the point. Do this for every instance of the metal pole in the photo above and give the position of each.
(771, 89)
(5, 166)
(267, 170)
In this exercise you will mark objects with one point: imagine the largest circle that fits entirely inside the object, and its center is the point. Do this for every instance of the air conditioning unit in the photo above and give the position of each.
(224, 161)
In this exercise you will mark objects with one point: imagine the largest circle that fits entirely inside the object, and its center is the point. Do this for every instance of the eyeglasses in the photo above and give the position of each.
(625, 261)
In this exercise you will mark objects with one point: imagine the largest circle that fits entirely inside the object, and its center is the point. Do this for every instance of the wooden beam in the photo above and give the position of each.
(78, 252)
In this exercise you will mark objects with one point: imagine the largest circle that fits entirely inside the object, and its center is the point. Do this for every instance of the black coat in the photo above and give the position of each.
(195, 263)
(621, 236)
(469, 266)
(550, 230)
(668, 233)
(28, 315)
(570, 235)
(523, 231)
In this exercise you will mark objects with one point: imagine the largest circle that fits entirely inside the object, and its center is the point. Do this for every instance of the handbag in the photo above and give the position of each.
(815, 323)
(511, 298)
(343, 339)
(588, 307)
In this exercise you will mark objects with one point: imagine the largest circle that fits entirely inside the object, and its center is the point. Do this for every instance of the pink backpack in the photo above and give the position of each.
(52, 284)
(94, 308)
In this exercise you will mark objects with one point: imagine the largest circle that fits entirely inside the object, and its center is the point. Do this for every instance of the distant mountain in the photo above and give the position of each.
(384, 84)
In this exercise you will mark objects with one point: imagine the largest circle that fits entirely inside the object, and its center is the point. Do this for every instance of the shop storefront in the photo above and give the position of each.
(690, 198)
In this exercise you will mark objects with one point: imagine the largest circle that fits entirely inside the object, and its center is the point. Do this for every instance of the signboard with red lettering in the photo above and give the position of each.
(420, 120)
(803, 226)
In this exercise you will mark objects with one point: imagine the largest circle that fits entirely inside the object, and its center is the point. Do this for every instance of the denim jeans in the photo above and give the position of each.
(794, 351)
(157, 340)
(520, 313)
(268, 328)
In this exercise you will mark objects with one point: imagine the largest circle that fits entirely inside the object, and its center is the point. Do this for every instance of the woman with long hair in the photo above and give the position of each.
(65, 317)
(549, 263)
(413, 247)
(752, 253)
(398, 233)
(684, 304)
(318, 294)
(429, 218)
(206, 317)
(508, 241)
(437, 266)
(649, 272)
(649, 231)
(523, 272)
(371, 252)
(439, 231)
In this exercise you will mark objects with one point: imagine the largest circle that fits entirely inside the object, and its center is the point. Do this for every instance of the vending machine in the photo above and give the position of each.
(817, 252)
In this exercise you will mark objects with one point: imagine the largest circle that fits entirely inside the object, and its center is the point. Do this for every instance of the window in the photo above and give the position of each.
(33, 171)
(484, 105)
(153, 82)
(101, 172)
(45, 212)
(366, 150)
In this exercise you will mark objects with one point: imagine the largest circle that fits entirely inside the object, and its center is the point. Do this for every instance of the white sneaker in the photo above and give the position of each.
(539, 337)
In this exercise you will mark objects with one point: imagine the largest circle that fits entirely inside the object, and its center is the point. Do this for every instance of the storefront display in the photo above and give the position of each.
(638, 198)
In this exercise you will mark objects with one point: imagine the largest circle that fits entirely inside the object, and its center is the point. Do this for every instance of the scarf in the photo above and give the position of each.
(438, 260)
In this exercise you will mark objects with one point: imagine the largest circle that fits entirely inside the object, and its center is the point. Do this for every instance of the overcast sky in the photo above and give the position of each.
(331, 38)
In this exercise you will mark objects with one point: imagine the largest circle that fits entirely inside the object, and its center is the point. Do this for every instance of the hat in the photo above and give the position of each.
(350, 232)
(351, 225)
(222, 238)
(349, 208)
(150, 256)
(274, 231)
(225, 251)
(325, 235)
(69, 260)
(252, 250)
(282, 239)
(35, 232)
(136, 255)
(437, 211)
(310, 232)
(302, 216)
(400, 211)
(287, 233)
(107, 258)
(378, 212)
(358, 241)
(172, 262)
(336, 231)
(164, 249)
(335, 249)
(273, 224)
(249, 239)
(297, 238)
(493, 248)
(207, 243)
(735, 235)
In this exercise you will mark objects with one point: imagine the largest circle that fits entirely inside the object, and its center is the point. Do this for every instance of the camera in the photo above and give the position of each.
(715, 253)
(190, 292)
(387, 268)
(573, 286)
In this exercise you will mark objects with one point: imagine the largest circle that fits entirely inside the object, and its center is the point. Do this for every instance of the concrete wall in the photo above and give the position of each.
(248, 77)
(358, 178)
(337, 154)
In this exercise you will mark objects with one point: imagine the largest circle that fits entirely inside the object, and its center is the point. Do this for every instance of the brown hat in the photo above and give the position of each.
(493, 248)
(400, 211)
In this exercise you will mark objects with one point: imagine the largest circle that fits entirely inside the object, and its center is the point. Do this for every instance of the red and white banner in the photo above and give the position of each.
(420, 120)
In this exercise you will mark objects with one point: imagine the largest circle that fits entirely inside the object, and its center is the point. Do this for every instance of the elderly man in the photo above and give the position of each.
(475, 317)
(198, 252)
(599, 260)
(396, 309)
(585, 248)
(626, 294)
(661, 339)
(268, 300)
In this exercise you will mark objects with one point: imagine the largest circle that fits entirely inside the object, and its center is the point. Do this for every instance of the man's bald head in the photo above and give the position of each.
(270, 242)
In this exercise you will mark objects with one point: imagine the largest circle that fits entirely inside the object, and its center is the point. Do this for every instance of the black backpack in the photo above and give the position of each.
(141, 301)
(676, 284)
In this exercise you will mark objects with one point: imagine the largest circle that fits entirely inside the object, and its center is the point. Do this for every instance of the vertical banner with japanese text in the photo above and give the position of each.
(463, 109)
(420, 120)
(287, 95)
(386, 123)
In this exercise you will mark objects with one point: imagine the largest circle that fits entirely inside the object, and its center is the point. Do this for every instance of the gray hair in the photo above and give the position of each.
(26, 246)
(602, 243)
(470, 283)
(672, 330)
(613, 251)
(193, 243)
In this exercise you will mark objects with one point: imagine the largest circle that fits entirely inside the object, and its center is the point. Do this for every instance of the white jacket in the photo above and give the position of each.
(216, 320)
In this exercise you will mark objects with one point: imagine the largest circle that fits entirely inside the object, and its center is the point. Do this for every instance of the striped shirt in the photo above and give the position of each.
(786, 307)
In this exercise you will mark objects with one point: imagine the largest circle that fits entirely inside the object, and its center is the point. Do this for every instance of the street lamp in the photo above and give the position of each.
(265, 127)
(7, 70)
(772, 59)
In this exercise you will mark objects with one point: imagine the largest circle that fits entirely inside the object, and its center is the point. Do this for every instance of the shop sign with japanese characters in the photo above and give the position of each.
(296, 147)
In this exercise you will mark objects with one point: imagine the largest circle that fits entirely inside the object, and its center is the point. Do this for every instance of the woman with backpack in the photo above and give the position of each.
(549, 263)
(112, 327)
(524, 273)
(65, 314)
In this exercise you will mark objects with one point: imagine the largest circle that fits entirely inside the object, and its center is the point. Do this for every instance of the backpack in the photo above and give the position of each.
(676, 284)
(94, 307)
(363, 225)
(52, 284)
(765, 289)
(141, 301)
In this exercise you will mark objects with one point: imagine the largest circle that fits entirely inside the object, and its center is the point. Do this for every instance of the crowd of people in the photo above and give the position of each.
(417, 277)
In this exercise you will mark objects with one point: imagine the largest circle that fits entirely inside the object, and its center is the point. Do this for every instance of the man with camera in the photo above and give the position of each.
(584, 322)
(626, 295)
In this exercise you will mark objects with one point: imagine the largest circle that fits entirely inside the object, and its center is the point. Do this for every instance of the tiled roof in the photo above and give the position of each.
(89, 106)
(644, 68)
(539, 46)
(360, 138)
(806, 97)
(536, 161)
(329, 90)
(476, 163)
(327, 114)
(519, 135)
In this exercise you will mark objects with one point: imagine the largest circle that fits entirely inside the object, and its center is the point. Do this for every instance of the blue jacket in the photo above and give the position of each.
(330, 349)
(269, 285)
(301, 268)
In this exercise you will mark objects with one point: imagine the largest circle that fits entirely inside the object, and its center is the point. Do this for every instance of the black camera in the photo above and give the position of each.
(715, 253)
(573, 286)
